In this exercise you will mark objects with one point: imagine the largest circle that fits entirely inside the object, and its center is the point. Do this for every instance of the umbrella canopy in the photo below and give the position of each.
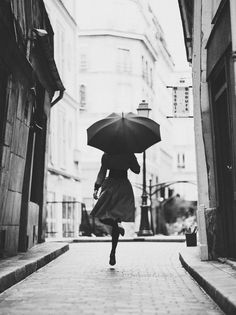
(126, 133)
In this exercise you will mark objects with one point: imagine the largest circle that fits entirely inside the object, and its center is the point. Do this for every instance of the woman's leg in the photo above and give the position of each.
(116, 231)
(115, 237)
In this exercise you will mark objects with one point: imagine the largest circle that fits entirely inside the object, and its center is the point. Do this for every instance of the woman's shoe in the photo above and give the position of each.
(121, 229)
(112, 261)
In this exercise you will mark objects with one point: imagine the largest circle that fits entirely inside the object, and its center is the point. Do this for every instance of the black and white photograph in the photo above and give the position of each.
(117, 157)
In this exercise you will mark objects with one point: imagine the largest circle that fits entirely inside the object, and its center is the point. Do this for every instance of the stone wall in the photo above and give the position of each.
(13, 161)
(210, 217)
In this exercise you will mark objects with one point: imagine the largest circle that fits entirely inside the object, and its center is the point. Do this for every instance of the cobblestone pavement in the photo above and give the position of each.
(148, 279)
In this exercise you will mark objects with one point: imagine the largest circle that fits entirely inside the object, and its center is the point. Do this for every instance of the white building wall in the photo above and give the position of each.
(64, 183)
(110, 15)
(113, 25)
(70, 6)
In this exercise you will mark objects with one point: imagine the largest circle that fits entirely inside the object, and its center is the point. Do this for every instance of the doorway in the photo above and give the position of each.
(31, 225)
(222, 122)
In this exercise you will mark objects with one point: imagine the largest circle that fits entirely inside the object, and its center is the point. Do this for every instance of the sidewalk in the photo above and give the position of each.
(16, 268)
(155, 238)
(217, 278)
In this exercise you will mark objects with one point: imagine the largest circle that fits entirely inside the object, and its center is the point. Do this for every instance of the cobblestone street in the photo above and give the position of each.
(148, 279)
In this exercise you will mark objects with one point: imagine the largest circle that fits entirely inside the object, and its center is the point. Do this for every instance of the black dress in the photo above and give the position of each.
(116, 200)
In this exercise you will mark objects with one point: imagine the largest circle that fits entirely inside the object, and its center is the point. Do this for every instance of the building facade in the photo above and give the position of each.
(123, 59)
(64, 178)
(210, 38)
(28, 82)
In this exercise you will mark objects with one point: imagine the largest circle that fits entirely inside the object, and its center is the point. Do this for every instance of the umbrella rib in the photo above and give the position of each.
(135, 138)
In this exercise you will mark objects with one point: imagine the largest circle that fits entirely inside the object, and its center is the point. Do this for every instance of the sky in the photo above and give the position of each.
(168, 15)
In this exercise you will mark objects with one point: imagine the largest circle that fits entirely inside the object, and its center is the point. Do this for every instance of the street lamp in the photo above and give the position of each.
(144, 229)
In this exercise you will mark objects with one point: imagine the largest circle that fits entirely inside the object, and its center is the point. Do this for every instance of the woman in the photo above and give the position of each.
(116, 200)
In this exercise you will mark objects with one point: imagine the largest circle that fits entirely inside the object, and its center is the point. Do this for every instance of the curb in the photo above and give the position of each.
(20, 273)
(228, 306)
(135, 239)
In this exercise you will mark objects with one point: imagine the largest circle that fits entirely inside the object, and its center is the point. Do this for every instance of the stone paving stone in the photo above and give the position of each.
(148, 279)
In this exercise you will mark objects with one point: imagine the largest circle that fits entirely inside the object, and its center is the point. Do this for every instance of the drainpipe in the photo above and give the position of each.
(58, 98)
(233, 33)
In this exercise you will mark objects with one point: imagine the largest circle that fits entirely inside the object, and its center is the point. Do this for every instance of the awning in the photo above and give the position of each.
(186, 11)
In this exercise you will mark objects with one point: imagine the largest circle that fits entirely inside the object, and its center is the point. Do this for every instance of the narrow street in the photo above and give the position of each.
(148, 279)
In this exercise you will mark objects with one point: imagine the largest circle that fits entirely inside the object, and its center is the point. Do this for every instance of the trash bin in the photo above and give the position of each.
(191, 239)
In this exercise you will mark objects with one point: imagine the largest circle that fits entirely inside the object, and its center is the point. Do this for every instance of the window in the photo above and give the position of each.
(82, 96)
(68, 216)
(143, 67)
(53, 138)
(151, 78)
(83, 62)
(162, 192)
(181, 160)
(62, 138)
(60, 48)
(70, 134)
(124, 60)
(146, 72)
(157, 191)
(51, 215)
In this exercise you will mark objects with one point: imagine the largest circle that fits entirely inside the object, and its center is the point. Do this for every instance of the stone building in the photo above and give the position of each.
(28, 82)
(210, 38)
(64, 178)
(123, 59)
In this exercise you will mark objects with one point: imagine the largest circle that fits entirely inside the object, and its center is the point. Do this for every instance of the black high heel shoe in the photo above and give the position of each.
(112, 261)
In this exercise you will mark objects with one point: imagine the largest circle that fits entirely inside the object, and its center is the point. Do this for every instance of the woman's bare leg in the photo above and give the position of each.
(114, 241)
(116, 231)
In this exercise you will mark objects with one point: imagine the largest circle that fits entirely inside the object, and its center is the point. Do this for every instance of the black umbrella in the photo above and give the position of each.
(126, 133)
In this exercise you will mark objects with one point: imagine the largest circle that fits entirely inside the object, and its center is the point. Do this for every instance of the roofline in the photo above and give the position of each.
(133, 36)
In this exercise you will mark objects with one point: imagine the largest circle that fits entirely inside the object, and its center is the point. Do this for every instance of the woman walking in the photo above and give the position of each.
(116, 200)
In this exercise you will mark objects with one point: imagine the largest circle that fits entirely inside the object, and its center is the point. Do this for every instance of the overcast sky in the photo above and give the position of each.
(167, 12)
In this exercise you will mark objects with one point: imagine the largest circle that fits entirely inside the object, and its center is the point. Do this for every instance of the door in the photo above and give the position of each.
(23, 232)
(33, 183)
(222, 121)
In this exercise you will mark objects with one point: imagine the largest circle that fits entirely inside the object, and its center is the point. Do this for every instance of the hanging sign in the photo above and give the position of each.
(180, 101)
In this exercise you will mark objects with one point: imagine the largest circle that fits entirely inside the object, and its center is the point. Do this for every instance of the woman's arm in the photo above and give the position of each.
(134, 166)
(100, 178)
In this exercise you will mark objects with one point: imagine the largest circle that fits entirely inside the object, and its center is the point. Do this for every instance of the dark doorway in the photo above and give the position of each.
(222, 122)
(23, 235)
(31, 228)
(38, 168)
